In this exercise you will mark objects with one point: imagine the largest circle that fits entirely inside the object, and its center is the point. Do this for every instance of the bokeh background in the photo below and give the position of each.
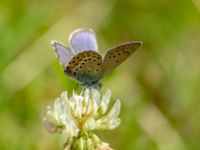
(158, 85)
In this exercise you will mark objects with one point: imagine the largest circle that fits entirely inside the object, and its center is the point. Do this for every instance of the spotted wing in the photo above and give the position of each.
(63, 53)
(85, 66)
(116, 55)
(82, 40)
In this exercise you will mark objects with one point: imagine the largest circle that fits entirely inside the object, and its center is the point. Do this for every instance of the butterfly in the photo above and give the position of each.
(82, 60)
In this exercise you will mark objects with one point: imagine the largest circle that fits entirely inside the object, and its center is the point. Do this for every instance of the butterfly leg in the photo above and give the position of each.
(76, 86)
(84, 88)
(96, 85)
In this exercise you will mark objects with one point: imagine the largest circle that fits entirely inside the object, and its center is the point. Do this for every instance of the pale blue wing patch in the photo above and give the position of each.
(63, 53)
(82, 40)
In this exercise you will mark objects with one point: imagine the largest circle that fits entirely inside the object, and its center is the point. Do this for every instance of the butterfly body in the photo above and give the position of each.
(84, 63)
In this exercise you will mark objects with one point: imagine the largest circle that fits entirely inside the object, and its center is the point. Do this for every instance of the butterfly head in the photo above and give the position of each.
(94, 85)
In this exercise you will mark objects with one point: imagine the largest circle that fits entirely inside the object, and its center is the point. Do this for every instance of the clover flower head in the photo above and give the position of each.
(76, 117)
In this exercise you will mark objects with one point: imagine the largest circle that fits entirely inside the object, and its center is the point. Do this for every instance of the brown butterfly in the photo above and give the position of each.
(82, 60)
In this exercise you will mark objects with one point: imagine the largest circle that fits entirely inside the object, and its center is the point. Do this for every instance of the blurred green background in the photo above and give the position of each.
(158, 85)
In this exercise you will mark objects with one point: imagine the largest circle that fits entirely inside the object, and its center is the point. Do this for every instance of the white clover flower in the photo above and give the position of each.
(78, 115)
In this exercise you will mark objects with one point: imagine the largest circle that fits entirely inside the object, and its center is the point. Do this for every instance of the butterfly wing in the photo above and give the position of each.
(118, 54)
(85, 67)
(63, 53)
(83, 39)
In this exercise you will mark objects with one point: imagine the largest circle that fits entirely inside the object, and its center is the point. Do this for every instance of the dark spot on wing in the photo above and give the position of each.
(76, 63)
